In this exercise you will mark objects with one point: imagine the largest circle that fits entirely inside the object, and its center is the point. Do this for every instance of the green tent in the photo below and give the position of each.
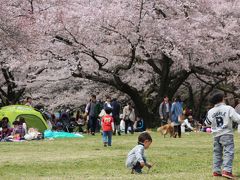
(32, 117)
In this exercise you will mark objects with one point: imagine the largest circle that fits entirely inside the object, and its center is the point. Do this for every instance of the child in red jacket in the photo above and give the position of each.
(107, 127)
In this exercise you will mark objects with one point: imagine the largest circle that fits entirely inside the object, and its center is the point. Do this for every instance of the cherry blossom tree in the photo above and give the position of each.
(143, 48)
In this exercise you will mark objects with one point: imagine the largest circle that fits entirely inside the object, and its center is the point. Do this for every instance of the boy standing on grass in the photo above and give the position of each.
(107, 127)
(221, 117)
(136, 159)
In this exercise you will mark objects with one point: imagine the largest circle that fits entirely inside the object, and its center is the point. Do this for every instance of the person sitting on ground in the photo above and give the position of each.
(5, 132)
(139, 125)
(18, 131)
(4, 120)
(80, 121)
(58, 127)
(186, 125)
(136, 159)
(65, 119)
(23, 123)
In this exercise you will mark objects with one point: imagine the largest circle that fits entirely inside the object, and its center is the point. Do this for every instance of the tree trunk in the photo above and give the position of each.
(11, 96)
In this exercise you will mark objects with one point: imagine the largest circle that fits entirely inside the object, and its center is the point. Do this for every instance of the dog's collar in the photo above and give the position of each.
(139, 143)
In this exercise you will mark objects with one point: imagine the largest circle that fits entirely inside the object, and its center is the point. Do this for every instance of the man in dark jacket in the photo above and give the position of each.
(94, 111)
(116, 113)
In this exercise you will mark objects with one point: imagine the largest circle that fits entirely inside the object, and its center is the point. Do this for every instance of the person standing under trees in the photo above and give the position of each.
(129, 117)
(86, 115)
(107, 127)
(221, 118)
(176, 112)
(164, 111)
(94, 109)
(116, 115)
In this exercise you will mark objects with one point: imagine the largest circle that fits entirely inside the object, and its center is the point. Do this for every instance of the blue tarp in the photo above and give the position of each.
(56, 134)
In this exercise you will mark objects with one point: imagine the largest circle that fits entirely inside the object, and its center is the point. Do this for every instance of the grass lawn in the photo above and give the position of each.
(187, 158)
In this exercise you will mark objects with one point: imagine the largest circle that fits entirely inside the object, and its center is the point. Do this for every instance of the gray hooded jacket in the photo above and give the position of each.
(220, 118)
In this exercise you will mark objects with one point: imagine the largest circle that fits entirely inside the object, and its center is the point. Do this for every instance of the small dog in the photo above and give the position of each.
(166, 129)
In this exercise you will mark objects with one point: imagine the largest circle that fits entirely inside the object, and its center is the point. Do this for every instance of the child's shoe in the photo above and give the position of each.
(217, 174)
(228, 175)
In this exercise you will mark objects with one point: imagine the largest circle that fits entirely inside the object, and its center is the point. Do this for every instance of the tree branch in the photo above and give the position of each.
(140, 16)
(128, 66)
(64, 40)
(57, 57)
(203, 71)
(87, 51)
(3, 92)
(231, 59)
(96, 57)
(117, 32)
(96, 78)
(228, 91)
(154, 66)
(208, 83)
(218, 86)
(178, 81)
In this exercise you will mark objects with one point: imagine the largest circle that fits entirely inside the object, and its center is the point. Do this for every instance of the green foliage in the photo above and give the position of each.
(187, 158)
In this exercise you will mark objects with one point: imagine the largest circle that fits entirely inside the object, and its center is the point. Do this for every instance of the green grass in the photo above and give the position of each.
(187, 158)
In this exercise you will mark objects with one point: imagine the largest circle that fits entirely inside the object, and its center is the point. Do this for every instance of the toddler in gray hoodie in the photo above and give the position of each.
(136, 159)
